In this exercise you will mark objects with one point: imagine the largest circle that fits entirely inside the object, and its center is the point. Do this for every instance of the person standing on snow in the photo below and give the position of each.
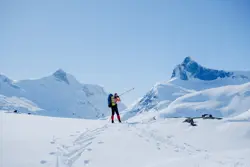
(112, 103)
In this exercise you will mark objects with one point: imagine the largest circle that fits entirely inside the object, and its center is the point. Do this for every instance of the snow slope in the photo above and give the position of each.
(220, 102)
(8, 88)
(36, 141)
(245, 116)
(189, 77)
(21, 104)
(159, 97)
(60, 95)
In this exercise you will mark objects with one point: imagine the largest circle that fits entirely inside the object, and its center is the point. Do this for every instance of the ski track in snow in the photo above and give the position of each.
(67, 154)
(167, 142)
(190, 152)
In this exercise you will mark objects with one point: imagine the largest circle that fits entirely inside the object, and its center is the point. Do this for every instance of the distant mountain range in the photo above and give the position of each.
(194, 90)
(59, 94)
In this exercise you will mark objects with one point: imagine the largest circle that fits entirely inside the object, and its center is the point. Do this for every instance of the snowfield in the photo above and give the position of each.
(245, 116)
(227, 101)
(38, 141)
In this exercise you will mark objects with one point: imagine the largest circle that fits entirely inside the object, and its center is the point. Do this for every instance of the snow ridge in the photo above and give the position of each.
(204, 90)
(59, 95)
(189, 69)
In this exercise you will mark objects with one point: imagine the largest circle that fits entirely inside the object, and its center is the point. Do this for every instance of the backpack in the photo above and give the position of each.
(109, 100)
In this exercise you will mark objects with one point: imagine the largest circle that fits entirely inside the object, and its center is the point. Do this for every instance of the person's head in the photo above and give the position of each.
(116, 94)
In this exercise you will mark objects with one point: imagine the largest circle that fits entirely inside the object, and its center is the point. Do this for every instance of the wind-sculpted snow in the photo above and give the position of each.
(245, 116)
(227, 101)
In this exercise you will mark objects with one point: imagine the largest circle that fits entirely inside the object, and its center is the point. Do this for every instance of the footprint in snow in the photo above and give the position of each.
(140, 135)
(177, 150)
(100, 142)
(89, 149)
(53, 142)
(169, 136)
(52, 153)
(43, 162)
(86, 162)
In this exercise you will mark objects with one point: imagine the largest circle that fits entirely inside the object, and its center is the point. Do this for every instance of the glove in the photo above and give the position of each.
(117, 99)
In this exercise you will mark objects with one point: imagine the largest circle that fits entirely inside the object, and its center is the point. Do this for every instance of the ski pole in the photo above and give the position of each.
(126, 91)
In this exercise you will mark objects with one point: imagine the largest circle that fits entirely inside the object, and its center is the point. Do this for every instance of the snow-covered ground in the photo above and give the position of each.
(37, 141)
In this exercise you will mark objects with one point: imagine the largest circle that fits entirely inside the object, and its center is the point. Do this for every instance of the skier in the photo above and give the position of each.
(112, 103)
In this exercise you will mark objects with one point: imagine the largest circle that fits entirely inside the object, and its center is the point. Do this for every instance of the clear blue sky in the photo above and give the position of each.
(98, 41)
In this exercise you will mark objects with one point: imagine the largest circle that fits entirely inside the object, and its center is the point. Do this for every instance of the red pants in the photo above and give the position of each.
(115, 111)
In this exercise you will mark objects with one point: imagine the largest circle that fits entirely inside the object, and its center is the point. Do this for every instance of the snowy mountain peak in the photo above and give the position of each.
(59, 94)
(7, 81)
(187, 60)
(60, 71)
(188, 78)
(61, 76)
(189, 69)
